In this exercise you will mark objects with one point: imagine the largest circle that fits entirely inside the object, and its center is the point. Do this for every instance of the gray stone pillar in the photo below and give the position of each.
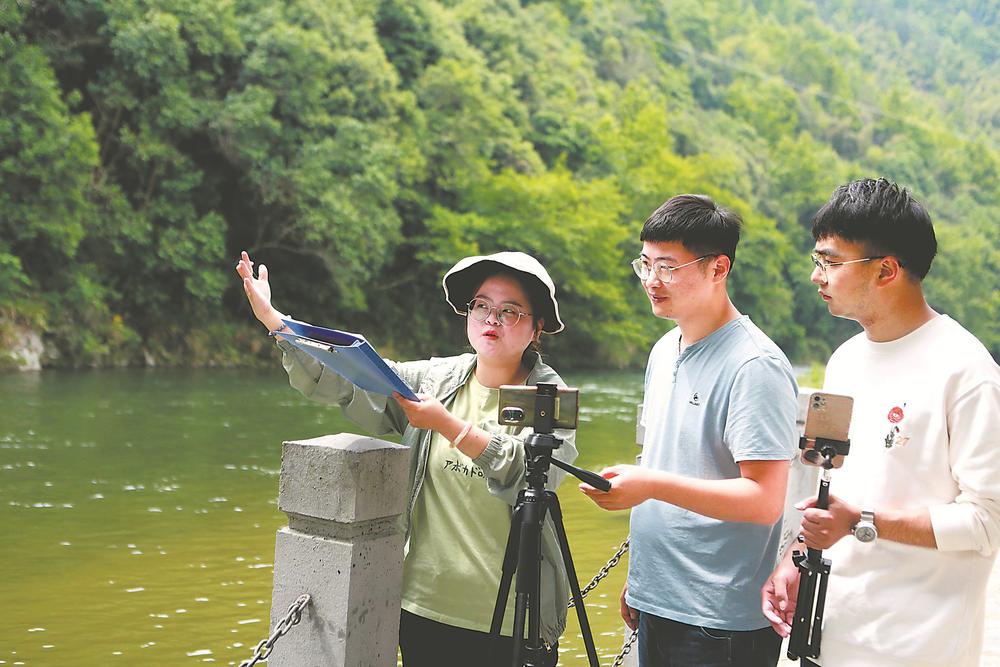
(343, 495)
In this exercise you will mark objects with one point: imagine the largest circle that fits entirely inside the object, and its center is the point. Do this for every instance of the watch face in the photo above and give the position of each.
(865, 533)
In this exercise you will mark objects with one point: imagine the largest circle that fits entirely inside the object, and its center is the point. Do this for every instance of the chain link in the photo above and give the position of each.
(603, 572)
(292, 617)
(625, 649)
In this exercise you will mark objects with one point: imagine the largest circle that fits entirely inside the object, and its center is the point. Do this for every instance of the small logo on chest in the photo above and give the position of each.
(895, 438)
(695, 400)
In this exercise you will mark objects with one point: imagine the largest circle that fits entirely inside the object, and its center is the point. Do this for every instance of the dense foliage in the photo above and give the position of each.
(359, 148)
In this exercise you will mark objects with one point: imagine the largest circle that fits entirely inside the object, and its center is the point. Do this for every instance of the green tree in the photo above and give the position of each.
(360, 148)
(965, 282)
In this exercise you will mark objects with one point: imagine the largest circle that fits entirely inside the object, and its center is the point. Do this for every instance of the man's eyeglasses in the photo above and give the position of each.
(507, 314)
(663, 271)
(822, 264)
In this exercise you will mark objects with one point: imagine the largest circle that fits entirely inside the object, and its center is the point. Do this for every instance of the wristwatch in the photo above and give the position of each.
(865, 530)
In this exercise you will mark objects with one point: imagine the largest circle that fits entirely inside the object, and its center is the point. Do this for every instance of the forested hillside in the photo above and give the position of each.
(360, 148)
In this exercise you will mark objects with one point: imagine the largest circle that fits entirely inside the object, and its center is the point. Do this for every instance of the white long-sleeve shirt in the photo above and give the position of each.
(925, 433)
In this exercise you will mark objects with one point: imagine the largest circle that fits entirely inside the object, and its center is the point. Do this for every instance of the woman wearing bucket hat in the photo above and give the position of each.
(465, 469)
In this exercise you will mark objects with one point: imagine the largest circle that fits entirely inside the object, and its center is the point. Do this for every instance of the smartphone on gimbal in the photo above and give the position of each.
(828, 416)
(517, 406)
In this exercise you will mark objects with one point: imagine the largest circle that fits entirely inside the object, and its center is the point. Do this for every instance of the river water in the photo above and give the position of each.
(138, 509)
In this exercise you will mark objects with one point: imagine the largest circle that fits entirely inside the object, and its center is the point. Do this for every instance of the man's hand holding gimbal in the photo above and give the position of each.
(821, 529)
(756, 496)
(779, 595)
(630, 485)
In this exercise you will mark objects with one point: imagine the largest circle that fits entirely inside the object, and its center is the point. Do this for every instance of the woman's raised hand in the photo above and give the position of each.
(258, 291)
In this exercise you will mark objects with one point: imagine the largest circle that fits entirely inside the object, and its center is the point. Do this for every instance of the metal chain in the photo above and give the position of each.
(625, 649)
(603, 572)
(292, 617)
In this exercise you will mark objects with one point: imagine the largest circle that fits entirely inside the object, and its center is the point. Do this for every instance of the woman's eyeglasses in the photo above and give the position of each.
(507, 314)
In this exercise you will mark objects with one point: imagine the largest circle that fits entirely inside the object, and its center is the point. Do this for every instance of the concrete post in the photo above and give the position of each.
(343, 495)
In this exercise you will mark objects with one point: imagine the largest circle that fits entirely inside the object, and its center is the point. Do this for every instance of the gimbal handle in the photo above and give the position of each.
(814, 570)
(591, 478)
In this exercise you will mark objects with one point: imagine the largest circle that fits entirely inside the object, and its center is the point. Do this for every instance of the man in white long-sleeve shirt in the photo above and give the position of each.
(924, 465)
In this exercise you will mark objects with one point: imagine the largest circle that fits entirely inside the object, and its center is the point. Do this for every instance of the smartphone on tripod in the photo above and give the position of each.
(828, 417)
(543, 407)
(517, 406)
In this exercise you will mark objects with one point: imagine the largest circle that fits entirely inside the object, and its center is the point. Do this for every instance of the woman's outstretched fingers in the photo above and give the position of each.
(244, 267)
(258, 292)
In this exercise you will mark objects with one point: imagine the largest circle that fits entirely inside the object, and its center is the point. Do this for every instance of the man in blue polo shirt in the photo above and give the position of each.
(719, 417)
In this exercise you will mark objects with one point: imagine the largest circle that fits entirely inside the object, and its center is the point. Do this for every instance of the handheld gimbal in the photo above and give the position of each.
(814, 570)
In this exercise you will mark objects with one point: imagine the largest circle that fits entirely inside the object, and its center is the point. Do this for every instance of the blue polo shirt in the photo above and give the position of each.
(729, 397)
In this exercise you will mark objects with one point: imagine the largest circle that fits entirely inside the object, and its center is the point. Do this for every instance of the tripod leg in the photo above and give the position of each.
(507, 572)
(817, 623)
(529, 566)
(574, 583)
(798, 642)
(520, 613)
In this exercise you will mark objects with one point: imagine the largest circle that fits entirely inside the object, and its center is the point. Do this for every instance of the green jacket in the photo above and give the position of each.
(502, 462)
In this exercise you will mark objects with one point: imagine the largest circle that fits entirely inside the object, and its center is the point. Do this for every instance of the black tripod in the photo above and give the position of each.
(523, 552)
(814, 570)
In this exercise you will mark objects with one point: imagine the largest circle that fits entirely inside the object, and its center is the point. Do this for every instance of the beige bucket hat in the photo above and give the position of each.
(469, 274)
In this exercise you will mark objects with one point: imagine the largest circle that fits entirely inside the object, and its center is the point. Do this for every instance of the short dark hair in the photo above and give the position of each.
(697, 222)
(882, 216)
